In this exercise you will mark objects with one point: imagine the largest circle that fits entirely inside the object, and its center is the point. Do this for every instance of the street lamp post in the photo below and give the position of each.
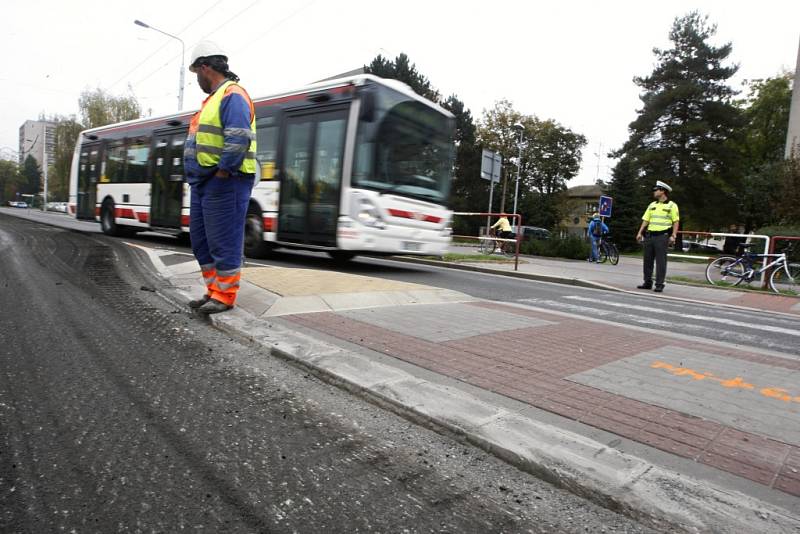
(44, 164)
(183, 58)
(521, 128)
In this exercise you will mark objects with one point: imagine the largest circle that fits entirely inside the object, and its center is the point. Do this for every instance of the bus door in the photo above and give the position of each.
(166, 192)
(88, 173)
(310, 169)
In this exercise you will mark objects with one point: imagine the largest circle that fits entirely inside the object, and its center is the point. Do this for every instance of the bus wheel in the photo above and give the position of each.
(341, 256)
(254, 244)
(109, 225)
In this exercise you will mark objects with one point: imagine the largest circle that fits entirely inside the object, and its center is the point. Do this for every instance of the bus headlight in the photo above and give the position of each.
(368, 215)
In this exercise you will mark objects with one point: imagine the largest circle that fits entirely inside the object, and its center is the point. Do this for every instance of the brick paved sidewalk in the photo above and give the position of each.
(733, 410)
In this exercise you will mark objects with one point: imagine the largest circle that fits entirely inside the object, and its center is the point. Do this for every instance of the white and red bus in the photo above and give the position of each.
(348, 166)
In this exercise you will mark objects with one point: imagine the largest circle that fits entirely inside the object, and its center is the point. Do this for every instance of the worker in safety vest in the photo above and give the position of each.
(219, 158)
(658, 230)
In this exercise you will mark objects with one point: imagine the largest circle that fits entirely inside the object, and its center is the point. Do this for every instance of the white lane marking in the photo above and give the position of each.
(752, 343)
(730, 322)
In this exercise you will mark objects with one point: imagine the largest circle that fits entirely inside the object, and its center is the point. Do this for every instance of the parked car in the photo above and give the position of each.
(709, 248)
(57, 206)
(17, 204)
(530, 233)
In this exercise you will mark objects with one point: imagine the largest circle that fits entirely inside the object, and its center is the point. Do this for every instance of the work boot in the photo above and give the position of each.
(645, 286)
(658, 289)
(213, 306)
(194, 304)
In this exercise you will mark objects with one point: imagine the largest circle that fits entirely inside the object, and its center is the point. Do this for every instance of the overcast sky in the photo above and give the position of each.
(569, 60)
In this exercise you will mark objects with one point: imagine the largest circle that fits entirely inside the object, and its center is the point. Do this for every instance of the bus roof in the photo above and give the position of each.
(355, 80)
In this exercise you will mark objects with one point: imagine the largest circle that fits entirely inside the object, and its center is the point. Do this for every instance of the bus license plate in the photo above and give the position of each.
(412, 246)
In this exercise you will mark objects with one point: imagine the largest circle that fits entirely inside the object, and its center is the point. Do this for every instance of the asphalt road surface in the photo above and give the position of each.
(122, 413)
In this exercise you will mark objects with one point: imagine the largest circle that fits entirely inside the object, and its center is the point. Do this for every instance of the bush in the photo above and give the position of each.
(570, 247)
(788, 231)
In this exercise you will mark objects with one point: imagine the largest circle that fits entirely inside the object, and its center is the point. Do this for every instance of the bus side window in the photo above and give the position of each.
(115, 160)
(267, 146)
(137, 157)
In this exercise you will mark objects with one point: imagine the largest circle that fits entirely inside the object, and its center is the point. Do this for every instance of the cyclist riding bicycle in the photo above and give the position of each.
(597, 229)
(502, 229)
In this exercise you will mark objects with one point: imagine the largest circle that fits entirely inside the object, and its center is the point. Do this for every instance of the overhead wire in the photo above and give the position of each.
(160, 48)
(218, 28)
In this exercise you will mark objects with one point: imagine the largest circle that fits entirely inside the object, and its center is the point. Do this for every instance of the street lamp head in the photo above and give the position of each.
(518, 126)
(140, 23)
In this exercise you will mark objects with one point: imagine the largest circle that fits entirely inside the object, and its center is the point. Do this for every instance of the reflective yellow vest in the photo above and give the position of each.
(209, 135)
(661, 215)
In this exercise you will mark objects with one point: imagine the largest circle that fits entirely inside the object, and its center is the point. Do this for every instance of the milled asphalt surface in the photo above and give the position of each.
(120, 412)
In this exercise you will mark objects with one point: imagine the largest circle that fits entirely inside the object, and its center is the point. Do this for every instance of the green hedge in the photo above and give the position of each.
(789, 231)
(574, 248)
(793, 231)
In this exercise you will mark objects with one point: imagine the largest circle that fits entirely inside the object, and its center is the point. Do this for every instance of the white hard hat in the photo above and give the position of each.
(205, 49)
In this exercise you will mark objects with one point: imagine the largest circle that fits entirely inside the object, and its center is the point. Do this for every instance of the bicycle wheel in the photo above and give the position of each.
(602, 252)
(487, 245)
(725, 271)
(613, 254)
(781, 281)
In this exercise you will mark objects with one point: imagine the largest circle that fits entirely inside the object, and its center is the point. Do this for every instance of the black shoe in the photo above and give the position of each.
(658, 289)
(194, 304)
(645, 286)
(213, 306)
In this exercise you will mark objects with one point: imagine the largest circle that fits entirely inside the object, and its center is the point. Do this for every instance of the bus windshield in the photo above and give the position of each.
(407, 149)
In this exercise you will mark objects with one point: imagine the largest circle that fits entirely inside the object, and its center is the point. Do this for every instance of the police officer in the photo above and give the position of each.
(659, 229)
(219, 158)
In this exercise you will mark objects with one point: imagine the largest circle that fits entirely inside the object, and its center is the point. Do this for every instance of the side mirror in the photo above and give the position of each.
(367, 109)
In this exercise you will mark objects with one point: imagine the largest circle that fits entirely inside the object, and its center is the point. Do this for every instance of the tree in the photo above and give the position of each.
(66, 136)
(766, 119)
(469, 192)
(686, 119)
(551, 156)
(31, 183)
(98, 108)
(761, 146)
(787, 207)
(10, 180)
(402, 69)
(630, 198)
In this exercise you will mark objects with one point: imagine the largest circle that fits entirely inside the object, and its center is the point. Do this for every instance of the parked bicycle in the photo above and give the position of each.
(732, 271)
(608, 250)
(492, 243)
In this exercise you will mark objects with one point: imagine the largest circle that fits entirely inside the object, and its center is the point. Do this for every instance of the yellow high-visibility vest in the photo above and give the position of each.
(661, 215)
(210, 136)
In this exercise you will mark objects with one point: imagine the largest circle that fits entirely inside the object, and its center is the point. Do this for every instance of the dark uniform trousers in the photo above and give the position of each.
(655, 248)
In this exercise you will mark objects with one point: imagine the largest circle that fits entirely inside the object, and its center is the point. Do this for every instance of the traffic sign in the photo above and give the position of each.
(491, 163)
(604, 207)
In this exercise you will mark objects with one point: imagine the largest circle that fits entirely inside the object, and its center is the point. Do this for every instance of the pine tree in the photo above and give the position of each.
(630, 199)
(469, 192)
(404, 70)
(686, 118)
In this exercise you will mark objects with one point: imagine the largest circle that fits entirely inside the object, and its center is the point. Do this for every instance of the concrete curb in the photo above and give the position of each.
(579, 282)
(513, 274)
(651, 494)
